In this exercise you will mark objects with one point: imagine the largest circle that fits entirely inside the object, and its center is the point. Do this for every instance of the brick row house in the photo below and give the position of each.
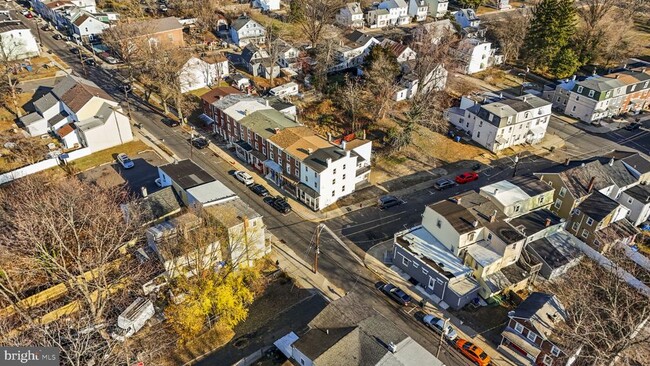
(313, 169)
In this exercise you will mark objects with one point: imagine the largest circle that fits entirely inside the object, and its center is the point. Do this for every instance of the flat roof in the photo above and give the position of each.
(483, 253)
(212, 193)
(505, 192)
(423, 243)
(186, 173)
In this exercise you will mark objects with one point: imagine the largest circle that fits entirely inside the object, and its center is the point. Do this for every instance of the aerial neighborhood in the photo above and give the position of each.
(323, 182)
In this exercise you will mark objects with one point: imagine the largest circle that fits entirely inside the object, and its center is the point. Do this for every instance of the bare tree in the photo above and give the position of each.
(10, 51)
(510, 31)
(129, 40)
(632, 8)
(325, 57)
(591, 33)
(273, 47)
(316, 15)
(352, 98)
(604, 313)
(381, 76)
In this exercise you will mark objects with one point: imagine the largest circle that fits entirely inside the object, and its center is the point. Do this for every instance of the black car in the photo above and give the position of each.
(394, 292)
(57, 36)
(75, 50)
(171, 122)
(259, 190)
(443, 183)
(200, 142)
(389, 201)
(633, 126)
(90, 62)
(279, 204)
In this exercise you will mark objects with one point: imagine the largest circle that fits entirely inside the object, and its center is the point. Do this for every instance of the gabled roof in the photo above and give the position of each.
(46, 102)
(318, 159)
(531, 184)
(248, 53)
(396, 48)
(76, 92)
(359, 38)
(160, 204)
(640, 193)
(543, 311)
(79, 21)
(218, 93)
(619, 174)
(241, 22)
(577, 177)
(638, 163)
(160, 25)
(354, 8)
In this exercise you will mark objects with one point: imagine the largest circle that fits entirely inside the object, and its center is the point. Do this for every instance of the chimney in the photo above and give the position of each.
(327, 331)
(143, 189)
(618, 76)
(310, 151)
(457, 199)
(276, 130)
(246, 112)
(364, 134)
(475, 223)
(493, 217)
(548, 222)
(344, 144)
(611, 161)
(392, 347)
(625, 66)
(573, 78)
(329, 161)
(591, 184)
(496, 190)
(267, 102)
(643, 70)
(567, 161)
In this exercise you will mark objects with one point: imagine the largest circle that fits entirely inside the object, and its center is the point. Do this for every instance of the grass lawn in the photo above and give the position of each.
(7, 116)
(288, 31)
(642, 36)
(105, 156)
(208, 341)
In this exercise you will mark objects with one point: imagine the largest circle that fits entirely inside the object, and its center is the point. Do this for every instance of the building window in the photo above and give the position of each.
(558, 203)
(333, 182)
(343, 176)
(424, 271)
(517, 208)
(439, 223)
(541, 199)
(548, 360)
(343, 189)
(415, 265)
(555, 351)
(480, 123)
(333, 193)
(478, 134)
(431, 283)
(591, 93)
(406, 261)
(630, 200)
(343, 166)
(315, 184)
(297, 164)
(579, 89)
(585, 233)
(590, 221)
(573, 109)
(562, 192)
(334, 171)
(489, 236)
(288, 169)
(519, 328)
(471, 235)
(574, 227)
(297, 172)
(531, 336)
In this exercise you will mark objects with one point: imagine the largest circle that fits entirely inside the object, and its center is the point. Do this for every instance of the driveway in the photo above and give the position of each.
(143, 173)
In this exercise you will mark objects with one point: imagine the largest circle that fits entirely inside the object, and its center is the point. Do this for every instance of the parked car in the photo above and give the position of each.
(389, 201)
(473, 352)
(633, 126)
(124, 161)
(29, 15)
(90, 62)
(278, 203)
(57, 36)
(244, 177)
(112, 60)
(443, 183)
(259, 190)
(466, 177)
(75, 50)
(437, 324)
(394, 292)
(200, 142)
(171, 122)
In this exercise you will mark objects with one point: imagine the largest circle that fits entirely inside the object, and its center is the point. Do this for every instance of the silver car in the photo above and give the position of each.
(436, 324)
(124, 161)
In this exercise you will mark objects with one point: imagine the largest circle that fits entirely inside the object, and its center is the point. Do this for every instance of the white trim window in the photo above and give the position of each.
(555, 351)
(519, 328)
(406, 261)
(585, 233)
(431, 283)
(590, 221)
(548, 360)
(562, 192)
(531, 336)
(558, 203)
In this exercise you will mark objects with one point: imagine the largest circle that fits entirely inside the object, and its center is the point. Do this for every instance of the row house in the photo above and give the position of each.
(80, 18)
(315, 170)
(351, 16)
(598, 97)
(472, 244)
(418, 9)
(586, 197)
(384, 14)
(469, 23)
(528, 336)
(437, 8)
(499, 123)
(397, 11)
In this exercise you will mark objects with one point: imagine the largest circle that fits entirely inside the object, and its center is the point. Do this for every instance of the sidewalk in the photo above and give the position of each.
(374, 261)
(301, 272)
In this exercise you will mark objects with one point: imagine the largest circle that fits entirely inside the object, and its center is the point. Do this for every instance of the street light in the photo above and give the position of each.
(514, 171)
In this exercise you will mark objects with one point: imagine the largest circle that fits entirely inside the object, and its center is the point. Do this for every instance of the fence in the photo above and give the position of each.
(41, 165)
(253, 357)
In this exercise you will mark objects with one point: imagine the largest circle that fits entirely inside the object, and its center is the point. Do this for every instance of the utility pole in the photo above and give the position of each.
(191, 142)
(318, 230)
(514, 171)
(442, 334)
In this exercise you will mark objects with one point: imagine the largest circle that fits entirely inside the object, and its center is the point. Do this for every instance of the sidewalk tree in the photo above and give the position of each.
(552, 26)
(128, 40)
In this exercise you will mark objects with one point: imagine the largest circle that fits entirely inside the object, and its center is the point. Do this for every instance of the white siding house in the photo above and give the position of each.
(477, 55)
(17, 40)
(418, 10)
(350, 16)
(397, 10)
(267, 5)
(245, 30)
(198, 73)
(87, 27)
(437, 8)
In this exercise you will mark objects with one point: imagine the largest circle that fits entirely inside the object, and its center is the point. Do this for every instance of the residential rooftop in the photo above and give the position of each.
(186, 173)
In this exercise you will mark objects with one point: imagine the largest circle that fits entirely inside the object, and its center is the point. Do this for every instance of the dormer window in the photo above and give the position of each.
(591, 93)
(579, 90)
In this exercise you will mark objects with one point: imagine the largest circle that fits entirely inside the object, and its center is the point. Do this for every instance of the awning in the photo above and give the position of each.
(258, 155)
(244, 145)
(501, 141)
(308, 190)
(273, 166)
(517, 340)
(206, 119)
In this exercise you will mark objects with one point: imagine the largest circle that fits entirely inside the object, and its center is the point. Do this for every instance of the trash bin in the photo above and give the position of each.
(457, 138)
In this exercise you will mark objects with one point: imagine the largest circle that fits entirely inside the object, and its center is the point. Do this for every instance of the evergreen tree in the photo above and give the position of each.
(471, 4)
(565, 64)
(296, 11)
(550, 31)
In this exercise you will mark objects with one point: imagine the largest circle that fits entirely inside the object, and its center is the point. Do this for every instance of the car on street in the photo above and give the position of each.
(466, 177)
(244, 177)
(89, 62)
(125, 161)
(57, 36)
(443, 183)
(437, 324)
(29, 15)
(170, 122)
(394, 292)
(633, 126)
(388, 202)
(200, 142)
(259, 190)
(278, 203)
(472, 352)
(75, 50)
(112, 60)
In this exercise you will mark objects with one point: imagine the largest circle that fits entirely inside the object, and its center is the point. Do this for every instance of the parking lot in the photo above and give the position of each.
(143, 173)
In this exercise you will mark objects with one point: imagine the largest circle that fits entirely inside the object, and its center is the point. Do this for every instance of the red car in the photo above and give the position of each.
(29, 15)
(466, 177)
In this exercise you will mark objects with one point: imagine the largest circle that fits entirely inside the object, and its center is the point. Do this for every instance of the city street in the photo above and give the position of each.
(363, 228)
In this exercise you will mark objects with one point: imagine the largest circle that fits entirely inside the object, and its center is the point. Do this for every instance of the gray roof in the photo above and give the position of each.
(619, 173)
(46, 102)
(535, 221)
(530, 184)
(279, 104)
(597, 206)
(318, 159)
(354, 8)
(160, 204)
(57, 118)
(248, 53)
(577, 178)
(542, 310)
(186, 173)
(510, 107)
(359, 38)
(211, 193)
(638, 163)
(9, 26)
(640, 193)
(463, 210)
(232, 212)
(240, 22)
(599, 83)
(265, 122)
(30, 118)
(556, 250)
(232, 99)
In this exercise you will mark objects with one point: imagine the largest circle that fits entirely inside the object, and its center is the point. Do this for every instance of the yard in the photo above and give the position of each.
(41, 68)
